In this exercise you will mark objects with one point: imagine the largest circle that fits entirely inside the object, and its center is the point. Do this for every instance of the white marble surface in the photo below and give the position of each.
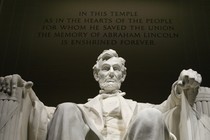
(24, 117)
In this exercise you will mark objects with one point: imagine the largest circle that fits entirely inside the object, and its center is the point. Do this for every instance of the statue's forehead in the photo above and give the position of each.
(112, 61)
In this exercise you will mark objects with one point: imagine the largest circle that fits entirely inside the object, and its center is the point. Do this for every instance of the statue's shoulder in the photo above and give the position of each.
(130, 101)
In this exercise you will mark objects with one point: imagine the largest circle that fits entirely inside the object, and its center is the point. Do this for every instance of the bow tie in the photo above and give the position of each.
(106, 95)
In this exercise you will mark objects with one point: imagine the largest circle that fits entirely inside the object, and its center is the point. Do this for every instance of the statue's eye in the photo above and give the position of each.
(116, 68)
(106, 68)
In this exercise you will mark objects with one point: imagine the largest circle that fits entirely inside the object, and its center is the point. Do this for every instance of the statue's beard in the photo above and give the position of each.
(110, 86)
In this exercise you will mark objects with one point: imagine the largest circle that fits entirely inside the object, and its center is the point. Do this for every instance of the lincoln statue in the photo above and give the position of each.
(108, 115)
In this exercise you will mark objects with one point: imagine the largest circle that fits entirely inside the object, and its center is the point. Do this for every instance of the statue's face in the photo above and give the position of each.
(110, 75)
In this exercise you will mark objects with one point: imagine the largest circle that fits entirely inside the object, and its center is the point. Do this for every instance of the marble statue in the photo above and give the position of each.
(108, 116)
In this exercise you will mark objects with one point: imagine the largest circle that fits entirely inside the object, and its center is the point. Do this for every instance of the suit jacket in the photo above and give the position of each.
(93, 114)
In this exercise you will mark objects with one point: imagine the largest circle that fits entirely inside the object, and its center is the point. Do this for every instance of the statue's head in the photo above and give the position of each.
(109, 71)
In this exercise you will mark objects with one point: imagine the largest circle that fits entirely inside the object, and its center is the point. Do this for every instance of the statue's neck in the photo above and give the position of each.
(109, 92)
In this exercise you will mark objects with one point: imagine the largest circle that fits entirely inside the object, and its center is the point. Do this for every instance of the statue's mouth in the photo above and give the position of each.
(110, 80)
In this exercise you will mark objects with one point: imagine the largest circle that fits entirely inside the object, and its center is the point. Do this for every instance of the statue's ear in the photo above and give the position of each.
(123, 78)
(95, 74)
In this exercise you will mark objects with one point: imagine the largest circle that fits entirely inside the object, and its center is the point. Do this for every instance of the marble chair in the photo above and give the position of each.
(202, 101)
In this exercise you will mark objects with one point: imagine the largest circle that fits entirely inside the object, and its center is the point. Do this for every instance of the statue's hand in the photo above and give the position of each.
(8, 84)
(188, 83)
(189, 79)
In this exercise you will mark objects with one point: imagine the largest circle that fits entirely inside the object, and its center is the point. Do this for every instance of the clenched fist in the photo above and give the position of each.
(188, 83)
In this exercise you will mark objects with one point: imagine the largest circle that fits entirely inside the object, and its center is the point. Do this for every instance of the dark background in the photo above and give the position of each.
(62, 74)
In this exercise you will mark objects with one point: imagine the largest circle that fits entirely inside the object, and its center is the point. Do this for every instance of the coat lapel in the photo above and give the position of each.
(127, 109)
(94, 106)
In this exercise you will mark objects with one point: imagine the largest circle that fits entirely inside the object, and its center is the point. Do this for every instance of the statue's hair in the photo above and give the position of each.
(106, 55)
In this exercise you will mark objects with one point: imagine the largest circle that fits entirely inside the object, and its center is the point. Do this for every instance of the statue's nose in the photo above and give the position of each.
(111, 72)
